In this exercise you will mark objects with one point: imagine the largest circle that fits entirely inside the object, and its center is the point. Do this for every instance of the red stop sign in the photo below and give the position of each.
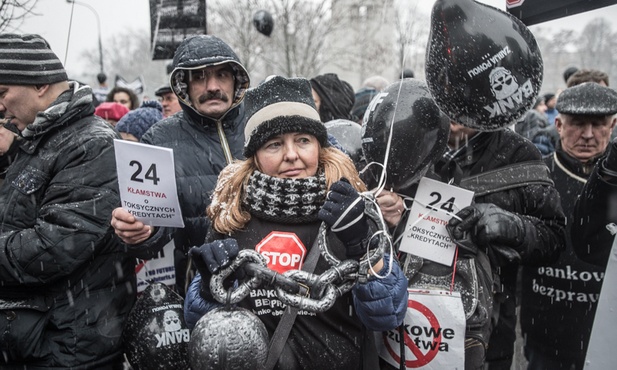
(283, 250)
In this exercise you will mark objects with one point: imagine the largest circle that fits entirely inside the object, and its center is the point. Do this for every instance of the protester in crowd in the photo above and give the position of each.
(550, 100)
(136, 122)
(291, 180)
(593, 228)
(595, 219)
(210, 83)
(547, 139)
(333, 97)
(124, 96)
(588, 75)
(100, 93)
(568, 72)
(67, 285)
(111, 112)
(516, 219)
(168, 100)
(365, 94)
(520, 223)
(533, 121)
(557, 310)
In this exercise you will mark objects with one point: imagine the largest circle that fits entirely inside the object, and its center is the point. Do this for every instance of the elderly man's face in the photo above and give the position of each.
(20, 104)
(584, 137)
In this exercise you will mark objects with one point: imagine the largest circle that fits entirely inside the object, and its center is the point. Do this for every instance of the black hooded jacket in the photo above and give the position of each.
(202, 145)
(67, 285)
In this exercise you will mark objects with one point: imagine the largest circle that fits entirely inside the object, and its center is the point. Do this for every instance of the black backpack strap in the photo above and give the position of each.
(281, 333)
(508, 177)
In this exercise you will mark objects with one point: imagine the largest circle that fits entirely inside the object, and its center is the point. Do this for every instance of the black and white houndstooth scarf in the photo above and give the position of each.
(289, 201)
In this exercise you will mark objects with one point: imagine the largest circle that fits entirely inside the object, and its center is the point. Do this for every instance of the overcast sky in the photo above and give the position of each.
(54, 18)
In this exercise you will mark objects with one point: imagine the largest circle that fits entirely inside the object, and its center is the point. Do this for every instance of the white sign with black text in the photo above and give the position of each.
(146, 176)
(434, 205)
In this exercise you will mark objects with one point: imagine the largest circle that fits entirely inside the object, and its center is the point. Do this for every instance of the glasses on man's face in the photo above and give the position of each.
(221, 75)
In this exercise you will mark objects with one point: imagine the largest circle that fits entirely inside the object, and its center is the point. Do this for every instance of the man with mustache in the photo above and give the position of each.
(559, 299)
(210, 83)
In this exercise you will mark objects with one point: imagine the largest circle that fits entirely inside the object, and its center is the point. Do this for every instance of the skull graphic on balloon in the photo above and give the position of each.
(483, 70)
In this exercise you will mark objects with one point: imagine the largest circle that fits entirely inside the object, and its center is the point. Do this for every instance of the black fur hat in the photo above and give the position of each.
(277, 106)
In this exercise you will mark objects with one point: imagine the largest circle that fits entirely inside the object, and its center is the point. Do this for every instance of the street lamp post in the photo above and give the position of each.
(98, 23)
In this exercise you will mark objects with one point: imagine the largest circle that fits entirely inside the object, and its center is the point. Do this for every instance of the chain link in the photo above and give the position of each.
(297, 288)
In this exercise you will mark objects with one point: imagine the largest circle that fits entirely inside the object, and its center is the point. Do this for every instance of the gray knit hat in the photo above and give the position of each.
(587, 99)
(28, 60)
(278, 106)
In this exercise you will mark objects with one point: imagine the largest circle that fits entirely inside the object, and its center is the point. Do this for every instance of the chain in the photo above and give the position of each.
(297, 288)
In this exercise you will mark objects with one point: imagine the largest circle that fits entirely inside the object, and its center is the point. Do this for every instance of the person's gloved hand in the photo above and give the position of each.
(490, 228)
(212, 257)
(343, 211)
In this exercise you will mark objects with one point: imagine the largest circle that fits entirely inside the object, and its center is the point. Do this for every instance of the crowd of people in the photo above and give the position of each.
(255, 164)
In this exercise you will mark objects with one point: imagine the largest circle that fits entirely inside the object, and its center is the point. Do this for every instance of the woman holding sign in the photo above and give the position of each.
(274, 202)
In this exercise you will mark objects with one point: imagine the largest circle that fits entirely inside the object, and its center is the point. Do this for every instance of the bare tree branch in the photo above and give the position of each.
(14, 12)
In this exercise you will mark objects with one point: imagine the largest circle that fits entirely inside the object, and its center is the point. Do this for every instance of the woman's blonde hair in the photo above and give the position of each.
(226, 210)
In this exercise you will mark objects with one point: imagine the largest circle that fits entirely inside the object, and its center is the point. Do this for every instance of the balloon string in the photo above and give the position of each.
(68, 36)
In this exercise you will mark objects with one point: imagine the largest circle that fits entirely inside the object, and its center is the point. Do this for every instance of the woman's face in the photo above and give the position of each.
(124, 99)
(291, 155)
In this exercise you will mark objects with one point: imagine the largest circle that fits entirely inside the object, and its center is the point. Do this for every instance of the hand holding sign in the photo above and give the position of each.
(128, 228)
(147, 181)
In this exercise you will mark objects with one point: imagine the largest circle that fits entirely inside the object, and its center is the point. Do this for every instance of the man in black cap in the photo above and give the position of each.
(559, 300)
(67, 285)
(168, 100)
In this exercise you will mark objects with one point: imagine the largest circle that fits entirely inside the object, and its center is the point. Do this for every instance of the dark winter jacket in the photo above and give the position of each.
(537, 204)
(67, 286)
(594, 218)
(529, 125)
(202, 146)
(559, 300)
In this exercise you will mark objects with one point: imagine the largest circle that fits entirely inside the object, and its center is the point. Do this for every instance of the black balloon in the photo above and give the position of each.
(229, 339)
(483, 65)
(419, 135)
(349, 135)
(263, 22)
(156, 336)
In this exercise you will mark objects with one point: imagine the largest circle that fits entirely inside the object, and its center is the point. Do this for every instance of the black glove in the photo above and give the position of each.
(343, 211)
(210, 258)
(486, 226)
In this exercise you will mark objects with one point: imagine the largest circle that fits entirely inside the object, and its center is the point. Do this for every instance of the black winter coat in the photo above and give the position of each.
(559, 300)
(202, 147)
(67, 286)
(541, 213)
(595, 209)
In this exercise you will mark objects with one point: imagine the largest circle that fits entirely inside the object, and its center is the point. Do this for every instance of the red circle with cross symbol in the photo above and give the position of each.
(421, 358)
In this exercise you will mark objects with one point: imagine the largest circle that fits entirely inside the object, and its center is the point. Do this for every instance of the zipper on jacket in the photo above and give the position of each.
(224, 143)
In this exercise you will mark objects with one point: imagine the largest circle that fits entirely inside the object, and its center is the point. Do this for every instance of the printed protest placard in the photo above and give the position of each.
(425, 233)
(160, 269)
(147, 181)
(433, 333)
(602, 342)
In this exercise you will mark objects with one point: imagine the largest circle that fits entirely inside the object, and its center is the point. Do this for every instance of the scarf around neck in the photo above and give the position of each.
(290, 201)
